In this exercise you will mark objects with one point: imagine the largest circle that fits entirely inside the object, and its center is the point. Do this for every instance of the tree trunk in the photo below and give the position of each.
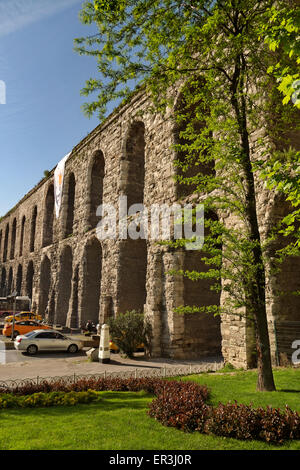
(265, 380)
(256, 291)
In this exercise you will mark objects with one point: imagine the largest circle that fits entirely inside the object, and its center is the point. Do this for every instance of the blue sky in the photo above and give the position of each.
(42, 119)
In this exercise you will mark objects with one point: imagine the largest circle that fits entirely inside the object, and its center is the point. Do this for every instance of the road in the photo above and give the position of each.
(15, 365)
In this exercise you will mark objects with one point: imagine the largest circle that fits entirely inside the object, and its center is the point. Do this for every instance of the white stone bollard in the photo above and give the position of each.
(104, 353)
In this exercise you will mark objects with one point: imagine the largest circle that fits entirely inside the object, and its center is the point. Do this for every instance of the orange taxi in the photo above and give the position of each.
(24, 316)
(23, 327)
(114, 348)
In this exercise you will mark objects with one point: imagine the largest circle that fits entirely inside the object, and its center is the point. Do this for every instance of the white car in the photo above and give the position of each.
(46, 340)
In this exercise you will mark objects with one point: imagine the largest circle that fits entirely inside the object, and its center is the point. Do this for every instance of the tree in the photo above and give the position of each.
(282, 173)
(129, 330)
(281, 33)
(214, 49)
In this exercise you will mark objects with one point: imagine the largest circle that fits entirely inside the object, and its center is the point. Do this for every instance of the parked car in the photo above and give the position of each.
(113, 347)
(5, 314)
(24, 316)
(23, 327)
(50, 340)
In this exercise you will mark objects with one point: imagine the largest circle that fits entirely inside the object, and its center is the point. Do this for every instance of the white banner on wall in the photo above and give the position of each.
(58, 183)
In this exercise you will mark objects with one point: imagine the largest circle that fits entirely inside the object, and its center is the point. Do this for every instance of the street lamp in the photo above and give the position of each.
(14, 297)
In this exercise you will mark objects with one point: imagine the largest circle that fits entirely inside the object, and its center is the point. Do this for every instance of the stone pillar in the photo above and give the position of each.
(173, 326)
(72, 318)
(104, 353)
(106, 308)
(235, 349)
(51, 317)
(154, 306)
(81, 307)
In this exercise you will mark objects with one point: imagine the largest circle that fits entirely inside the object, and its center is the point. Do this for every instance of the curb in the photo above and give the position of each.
(6, 345)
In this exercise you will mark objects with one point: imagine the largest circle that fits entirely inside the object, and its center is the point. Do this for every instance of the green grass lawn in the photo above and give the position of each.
(120, 421)
(242, 387)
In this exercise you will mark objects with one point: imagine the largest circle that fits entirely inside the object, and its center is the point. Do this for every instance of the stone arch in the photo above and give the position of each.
(132, 274)
(133, 164)
(33, 229)
(3, 282)
(194, 168)
(19, 279)
(64, 285)
(156, 304)
(74, 316)
(10, 281)
(50, 316)
(92, 275)
(202, 330)
(69, 205)
(285, 305)
(48, 217)
(13, 239)
(45, 283)
(29, 279)
(95, 191)
(5, 247)
(22, 235)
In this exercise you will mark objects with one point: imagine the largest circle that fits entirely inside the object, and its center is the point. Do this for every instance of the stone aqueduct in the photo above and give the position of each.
(71, 275)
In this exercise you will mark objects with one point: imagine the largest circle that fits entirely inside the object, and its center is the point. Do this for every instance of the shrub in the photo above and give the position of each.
(154, 386)
(244, 422)
(181, 405)
(233, 420)
(129, 330)
(40, 399)
(277, 426)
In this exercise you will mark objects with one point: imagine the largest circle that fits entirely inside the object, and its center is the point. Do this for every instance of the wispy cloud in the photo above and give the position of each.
(16, 14)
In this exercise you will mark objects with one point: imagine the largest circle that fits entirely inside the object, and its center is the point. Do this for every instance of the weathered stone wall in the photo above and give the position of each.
(73, 277)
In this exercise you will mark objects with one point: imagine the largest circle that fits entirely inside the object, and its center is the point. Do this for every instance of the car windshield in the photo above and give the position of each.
(59, 336)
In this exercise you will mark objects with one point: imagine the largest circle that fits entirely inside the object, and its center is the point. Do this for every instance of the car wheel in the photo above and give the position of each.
(32, 349)
(16, 333)
(73, 348)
